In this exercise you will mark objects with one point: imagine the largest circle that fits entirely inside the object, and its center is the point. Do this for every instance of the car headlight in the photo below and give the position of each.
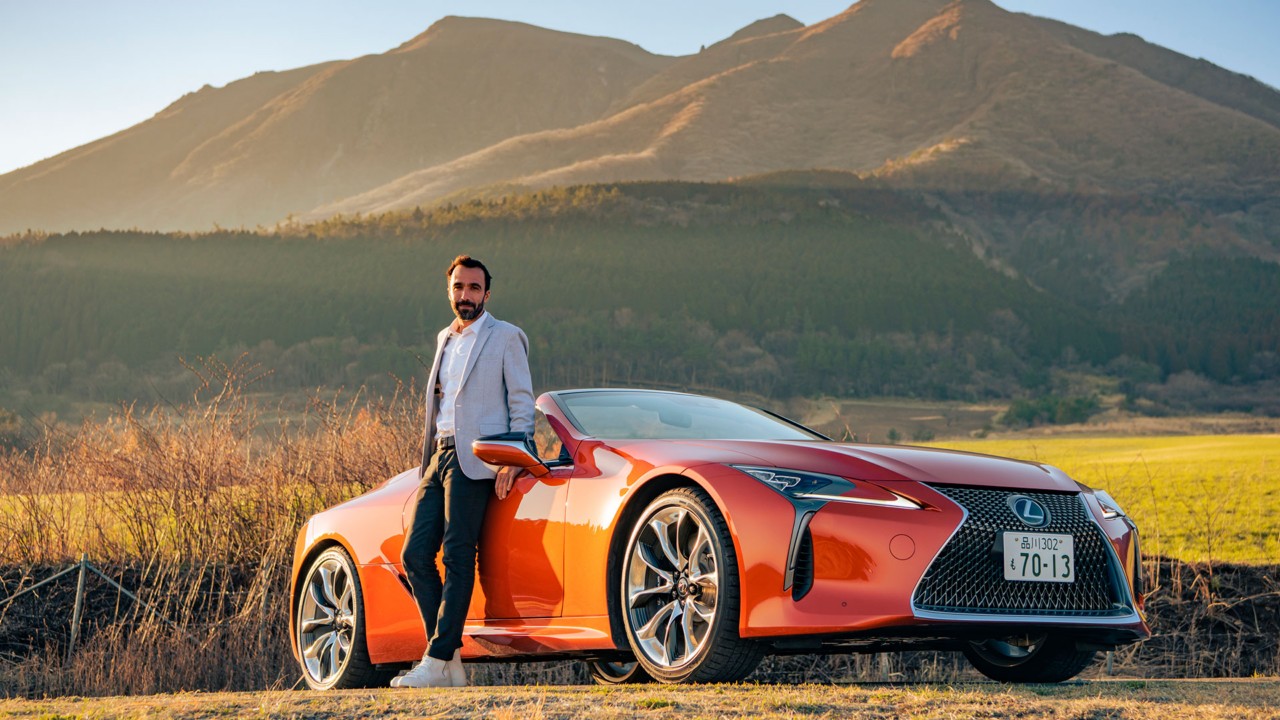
(1110, 508)
(805, 485)
(796, 483)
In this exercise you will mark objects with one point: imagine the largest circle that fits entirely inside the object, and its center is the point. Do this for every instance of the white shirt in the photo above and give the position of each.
(453, 363)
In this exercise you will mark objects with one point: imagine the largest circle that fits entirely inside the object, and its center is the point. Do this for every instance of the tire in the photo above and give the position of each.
(680, 594)
(1044, 658)
(604, 672)
(329, 622)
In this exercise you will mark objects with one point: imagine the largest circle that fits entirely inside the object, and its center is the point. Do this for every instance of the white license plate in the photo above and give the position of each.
(1044, 557)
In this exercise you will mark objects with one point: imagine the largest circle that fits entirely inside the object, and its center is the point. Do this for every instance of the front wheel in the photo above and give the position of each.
(680, 593)
(330, 626)
(1036, 658)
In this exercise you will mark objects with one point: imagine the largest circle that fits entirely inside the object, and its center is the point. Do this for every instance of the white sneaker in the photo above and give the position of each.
(457, 675)
(398, 681)
(427, 674)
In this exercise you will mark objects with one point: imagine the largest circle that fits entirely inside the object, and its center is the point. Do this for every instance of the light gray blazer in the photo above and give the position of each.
(496, 395)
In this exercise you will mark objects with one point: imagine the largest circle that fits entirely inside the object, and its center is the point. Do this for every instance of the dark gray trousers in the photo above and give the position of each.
(449, 511)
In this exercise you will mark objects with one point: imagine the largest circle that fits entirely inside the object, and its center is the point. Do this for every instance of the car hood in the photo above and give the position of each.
(875, 463)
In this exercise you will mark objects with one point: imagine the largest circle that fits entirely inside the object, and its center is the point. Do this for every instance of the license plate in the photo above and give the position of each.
(1043, 557)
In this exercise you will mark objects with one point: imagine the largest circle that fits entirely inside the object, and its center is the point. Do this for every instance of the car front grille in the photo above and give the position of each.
(967, 576)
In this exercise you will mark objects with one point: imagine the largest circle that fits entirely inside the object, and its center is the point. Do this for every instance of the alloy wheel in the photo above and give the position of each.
(326, 620)
(672, 586)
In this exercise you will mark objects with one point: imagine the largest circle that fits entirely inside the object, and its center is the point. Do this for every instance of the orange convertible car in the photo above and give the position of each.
(679, 538)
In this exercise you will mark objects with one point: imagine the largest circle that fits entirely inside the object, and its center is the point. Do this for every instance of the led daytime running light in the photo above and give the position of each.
(1110, 508)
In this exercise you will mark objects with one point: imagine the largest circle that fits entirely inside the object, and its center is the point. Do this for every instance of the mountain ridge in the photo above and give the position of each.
(935, 94)
(991, 123)
(336, 128)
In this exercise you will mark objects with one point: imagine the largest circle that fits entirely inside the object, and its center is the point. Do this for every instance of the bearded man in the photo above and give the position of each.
(479, 385)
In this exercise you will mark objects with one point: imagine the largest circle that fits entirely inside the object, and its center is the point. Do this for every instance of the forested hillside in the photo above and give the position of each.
(774, 289)
(1218, 316)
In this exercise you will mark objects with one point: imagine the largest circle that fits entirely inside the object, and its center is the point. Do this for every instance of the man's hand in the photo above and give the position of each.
(506, 478)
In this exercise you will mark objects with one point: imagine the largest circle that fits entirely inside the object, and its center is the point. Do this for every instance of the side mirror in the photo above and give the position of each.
(510, 450)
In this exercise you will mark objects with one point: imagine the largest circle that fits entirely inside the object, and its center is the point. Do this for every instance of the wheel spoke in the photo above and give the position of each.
(656, 636)
(682, 548)
(700, 549)
(316, 591)
(649, 631)
(691, 643)
(640, 597)
(327, 582)
(663, 530)
(347, 602)
(310, 624)
(645, 552)
(318, 646)
(335, 648)
(315, 654)
(702, 610)
(671, 635)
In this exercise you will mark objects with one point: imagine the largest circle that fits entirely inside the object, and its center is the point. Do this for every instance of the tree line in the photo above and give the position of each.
(775, 290)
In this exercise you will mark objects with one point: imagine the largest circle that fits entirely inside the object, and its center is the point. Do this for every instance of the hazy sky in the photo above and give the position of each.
(72, 71)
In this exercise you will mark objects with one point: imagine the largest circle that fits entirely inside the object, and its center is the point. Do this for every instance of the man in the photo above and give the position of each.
(479, 385)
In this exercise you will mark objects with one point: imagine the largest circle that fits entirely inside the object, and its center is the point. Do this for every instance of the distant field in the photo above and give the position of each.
(1194, 498)
(913, 421)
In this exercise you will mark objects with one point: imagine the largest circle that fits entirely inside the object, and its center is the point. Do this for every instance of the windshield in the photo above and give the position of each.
(649, 415)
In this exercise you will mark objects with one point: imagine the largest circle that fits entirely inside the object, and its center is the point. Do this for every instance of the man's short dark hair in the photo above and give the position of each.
(467, 261)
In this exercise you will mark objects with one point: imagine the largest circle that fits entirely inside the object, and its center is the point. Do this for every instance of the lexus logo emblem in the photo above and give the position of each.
(1029, 511)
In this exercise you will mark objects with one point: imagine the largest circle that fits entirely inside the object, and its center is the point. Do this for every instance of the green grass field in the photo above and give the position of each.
(1195, 498)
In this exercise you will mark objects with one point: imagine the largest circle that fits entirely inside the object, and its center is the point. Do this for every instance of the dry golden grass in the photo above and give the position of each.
(1117, 699)
(202, 505)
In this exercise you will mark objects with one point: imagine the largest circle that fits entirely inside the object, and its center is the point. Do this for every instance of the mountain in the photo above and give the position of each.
(1197, 77)
(276, 143)
(932, 95)
(925, 94)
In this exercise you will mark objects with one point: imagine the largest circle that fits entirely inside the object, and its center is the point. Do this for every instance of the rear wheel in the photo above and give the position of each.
(1036, 658)
(680, 593)
(605, 672)
(330, 626)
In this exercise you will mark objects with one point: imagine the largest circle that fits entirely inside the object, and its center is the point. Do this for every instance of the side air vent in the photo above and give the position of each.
(803, 581)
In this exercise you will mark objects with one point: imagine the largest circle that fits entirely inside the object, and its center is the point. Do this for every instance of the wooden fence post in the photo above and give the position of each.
(79, 608)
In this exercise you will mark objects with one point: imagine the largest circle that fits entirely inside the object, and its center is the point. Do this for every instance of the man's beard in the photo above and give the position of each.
(466, 311)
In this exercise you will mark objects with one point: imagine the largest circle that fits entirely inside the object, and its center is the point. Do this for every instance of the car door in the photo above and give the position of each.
(521, 563)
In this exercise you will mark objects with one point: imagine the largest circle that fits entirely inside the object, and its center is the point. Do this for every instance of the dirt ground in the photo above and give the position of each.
(1185, 700)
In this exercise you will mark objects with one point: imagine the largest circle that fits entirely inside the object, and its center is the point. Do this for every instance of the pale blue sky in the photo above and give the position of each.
(72, 71)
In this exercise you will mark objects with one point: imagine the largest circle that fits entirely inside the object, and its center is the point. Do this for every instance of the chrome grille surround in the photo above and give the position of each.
(966, 578)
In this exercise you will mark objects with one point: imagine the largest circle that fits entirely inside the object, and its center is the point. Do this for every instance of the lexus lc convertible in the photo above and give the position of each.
(680, 538)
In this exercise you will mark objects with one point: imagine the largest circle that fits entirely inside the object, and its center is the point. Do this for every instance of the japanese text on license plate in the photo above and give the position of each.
(1046, 557)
